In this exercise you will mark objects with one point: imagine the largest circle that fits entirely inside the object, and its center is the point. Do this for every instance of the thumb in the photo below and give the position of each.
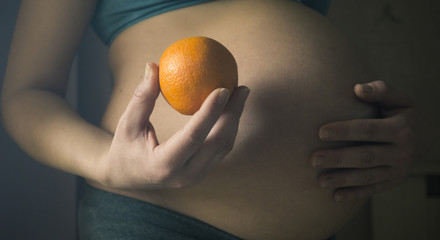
(386, 96)
(141, 104)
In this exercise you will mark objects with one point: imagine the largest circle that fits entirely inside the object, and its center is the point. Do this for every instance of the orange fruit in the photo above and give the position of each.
(191, 68)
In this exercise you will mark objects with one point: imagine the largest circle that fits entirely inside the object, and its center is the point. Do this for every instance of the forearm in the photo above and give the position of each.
(49, 130)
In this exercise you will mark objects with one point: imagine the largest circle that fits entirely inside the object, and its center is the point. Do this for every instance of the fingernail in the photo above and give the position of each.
(366, 88)
(223, 96)
(245, 94)
(319, 160)
(327, 133)
(147, 72)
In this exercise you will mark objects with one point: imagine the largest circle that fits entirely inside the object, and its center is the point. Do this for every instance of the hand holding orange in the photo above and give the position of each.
(191, 68)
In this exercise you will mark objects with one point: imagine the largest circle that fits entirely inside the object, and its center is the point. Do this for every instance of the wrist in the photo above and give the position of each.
(97, 170)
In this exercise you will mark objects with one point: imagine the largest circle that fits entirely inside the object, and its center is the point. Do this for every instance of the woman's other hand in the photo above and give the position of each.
(385, 158)
(136, 160)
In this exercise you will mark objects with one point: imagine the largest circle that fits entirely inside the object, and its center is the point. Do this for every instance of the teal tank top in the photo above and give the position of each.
(111, 17)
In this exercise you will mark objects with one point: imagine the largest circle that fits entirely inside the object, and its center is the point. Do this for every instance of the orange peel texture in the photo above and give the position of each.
(191, 68)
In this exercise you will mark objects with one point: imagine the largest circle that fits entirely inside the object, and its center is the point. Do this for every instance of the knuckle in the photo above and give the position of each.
(196, 137)
(139, 94)
(143, 94)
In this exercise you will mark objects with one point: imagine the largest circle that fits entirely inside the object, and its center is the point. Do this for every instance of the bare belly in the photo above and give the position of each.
(300, 72)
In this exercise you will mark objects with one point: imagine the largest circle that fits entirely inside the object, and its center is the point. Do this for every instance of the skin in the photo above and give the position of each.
(379, 165)
(33, 104)
(200, 145)
(185, 157)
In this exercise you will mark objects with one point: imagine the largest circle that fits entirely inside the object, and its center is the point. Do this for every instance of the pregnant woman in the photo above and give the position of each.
(207, 176)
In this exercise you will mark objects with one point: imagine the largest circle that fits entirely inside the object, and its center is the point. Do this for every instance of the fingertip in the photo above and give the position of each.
(358, 88)
(147, 73)
(366, 88)
(241, 93)
(222, 96)
(245, 93)
(149, 86)
(240, 99)
(364, 91)
(152, 70)
(372, 91)
(327, 133)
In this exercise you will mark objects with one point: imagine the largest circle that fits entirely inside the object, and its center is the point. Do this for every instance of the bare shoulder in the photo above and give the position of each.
(46, 36)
